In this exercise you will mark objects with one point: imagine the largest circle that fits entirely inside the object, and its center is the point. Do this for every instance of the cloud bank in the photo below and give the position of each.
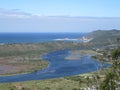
(17, 21)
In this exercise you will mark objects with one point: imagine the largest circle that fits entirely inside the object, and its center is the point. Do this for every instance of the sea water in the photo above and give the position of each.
(8, 38)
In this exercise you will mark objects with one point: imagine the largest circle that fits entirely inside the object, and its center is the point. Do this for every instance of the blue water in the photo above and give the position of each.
(58, 67)
(36, 37)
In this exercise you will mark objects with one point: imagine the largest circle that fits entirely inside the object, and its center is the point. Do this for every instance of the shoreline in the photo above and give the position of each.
(87, 52)
(47, 71)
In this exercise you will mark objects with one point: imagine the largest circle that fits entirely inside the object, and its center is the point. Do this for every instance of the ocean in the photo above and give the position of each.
(8, 38)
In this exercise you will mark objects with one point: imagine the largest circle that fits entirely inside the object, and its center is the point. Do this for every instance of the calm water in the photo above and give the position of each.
(36, 37)
(59, 67)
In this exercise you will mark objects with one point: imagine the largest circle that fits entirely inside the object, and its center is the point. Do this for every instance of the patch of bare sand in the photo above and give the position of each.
(77, 54)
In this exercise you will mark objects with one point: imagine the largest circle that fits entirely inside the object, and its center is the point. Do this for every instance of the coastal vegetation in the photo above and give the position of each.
(104, 47)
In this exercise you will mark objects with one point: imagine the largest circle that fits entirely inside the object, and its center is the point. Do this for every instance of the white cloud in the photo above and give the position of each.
(13, 20)
(14, 13)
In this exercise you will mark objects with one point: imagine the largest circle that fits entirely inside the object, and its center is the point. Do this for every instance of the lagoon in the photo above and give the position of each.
(58, 67)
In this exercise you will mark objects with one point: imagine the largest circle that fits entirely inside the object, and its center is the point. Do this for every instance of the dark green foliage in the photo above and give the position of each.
(112, 77)
(94, 57)
(46, 88)
(116, 54)
(75, 89)
(110, 82)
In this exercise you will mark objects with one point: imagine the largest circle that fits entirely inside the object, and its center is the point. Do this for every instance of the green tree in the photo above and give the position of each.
(115, 57)
(116, 54)
(110, 82)
(112, 77)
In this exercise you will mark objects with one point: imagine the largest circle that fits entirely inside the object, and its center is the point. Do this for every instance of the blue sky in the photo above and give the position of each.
(58, 15)
(94, 8)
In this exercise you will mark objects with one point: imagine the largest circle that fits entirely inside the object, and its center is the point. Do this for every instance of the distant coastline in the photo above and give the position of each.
(11, 38)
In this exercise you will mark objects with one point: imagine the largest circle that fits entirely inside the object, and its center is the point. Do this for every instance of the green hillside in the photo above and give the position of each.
(104, 37)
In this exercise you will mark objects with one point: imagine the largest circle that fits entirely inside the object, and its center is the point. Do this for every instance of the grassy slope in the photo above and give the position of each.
(68, 83)
(104, 37)
(52, 84)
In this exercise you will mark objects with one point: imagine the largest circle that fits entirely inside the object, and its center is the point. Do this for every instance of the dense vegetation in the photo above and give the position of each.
(112, 78)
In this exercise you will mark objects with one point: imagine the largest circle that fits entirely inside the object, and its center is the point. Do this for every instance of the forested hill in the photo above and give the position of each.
(104, 37)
